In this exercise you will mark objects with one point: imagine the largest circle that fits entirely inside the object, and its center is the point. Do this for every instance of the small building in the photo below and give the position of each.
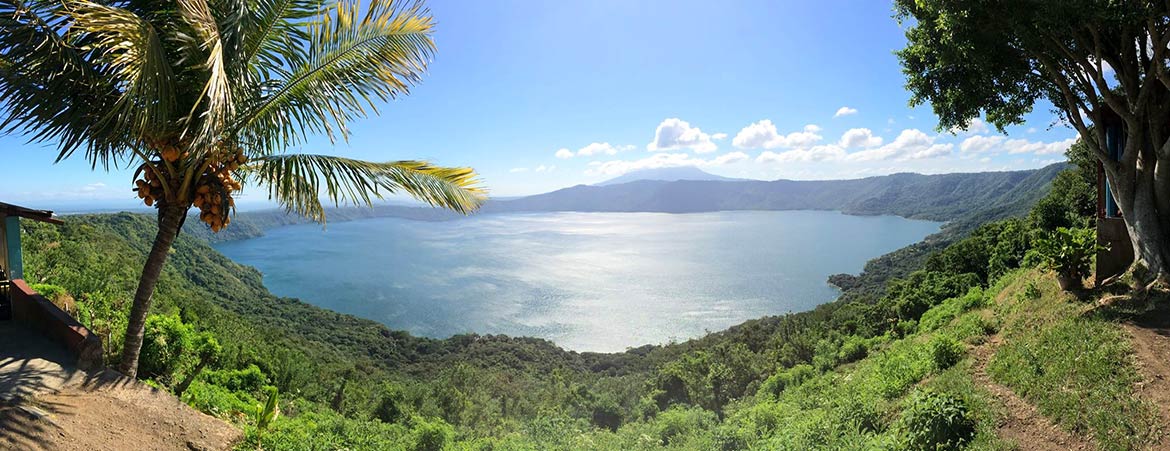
(23, 307)
(1112, 235)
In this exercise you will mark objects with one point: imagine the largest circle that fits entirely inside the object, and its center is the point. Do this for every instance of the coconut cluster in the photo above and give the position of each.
(213, 192)
(213, 188)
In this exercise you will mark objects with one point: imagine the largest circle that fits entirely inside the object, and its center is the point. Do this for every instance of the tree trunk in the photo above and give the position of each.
(182, 387)
(169, 220)
(1136, 190)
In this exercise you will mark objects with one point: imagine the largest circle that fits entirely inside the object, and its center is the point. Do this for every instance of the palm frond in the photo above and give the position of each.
(298, 181)
(353, 59)
(275, 34)
(216, 98)
(51, 91)
(128, 50)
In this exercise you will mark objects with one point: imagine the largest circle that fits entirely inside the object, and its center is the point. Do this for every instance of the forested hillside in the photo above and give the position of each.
(891, 357)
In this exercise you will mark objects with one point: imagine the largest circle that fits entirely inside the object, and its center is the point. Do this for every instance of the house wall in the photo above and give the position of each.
(1111, 233)
(3, 244)
(13, 266)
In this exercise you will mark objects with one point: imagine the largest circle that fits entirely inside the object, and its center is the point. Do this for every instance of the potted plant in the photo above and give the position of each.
(1070, 253)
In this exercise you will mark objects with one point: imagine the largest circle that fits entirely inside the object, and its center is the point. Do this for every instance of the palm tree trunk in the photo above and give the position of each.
(169, 220)
(182, 387)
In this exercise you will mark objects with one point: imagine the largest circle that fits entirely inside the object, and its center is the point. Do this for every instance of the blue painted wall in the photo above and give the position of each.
(12, 239)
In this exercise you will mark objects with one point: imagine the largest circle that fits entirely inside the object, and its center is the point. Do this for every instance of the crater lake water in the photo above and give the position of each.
(586, 281)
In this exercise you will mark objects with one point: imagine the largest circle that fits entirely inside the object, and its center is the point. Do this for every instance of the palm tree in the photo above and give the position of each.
(203, 97)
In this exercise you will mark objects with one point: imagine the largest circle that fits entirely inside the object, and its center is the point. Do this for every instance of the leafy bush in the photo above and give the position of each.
(677, 422)
(911, 297)
(216, 400)
(249, 379)
(852, 349)
(945, 352)
(950, 309)
(431, 434)
(933, 421)
(898, 369)
(1069, 252)
(166, 340)
(392, 406)
(787, 378)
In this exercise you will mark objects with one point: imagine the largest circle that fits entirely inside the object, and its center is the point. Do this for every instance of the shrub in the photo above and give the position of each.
(678, 422)
(166, 340)
(945, 352)
(392, 407)
(1069, 252)
(932, 421)
(944, 313)
(790, 377)
(897, 370)
(852, 350)
(431, 435)
(248, 380)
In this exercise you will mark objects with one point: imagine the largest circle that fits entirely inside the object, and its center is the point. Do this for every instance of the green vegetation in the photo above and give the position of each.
(881, 368)
(1073, 364)
(998, 59)
(1069, 252)
(201, 96)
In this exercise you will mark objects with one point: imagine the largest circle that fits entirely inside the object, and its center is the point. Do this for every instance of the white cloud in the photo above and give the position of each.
(911, 144)
(593, 149)
(675, 133)
(719, 136)
(981, 144)
(728, 158)
(975, 127)
(860, 137)
(543, 168)
(516, 170)
(92, 187)
(816, 153)
(845, 111)
(763, 134)
(1016, 146)
(661, 160)
(597, 149)
(995, 145)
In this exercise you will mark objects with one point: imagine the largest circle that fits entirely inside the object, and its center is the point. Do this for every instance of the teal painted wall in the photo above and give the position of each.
(12, 240)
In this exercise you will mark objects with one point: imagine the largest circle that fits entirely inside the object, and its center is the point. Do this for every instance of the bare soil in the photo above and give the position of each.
(1150, 335)
(110, 412)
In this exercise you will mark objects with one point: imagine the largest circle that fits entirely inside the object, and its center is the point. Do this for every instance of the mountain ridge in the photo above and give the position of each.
(667, 174)
(961, 199)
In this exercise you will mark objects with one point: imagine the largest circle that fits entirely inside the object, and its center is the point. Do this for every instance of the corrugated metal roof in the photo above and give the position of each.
(25, 212)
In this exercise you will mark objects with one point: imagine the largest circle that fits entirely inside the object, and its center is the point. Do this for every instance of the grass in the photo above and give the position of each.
(1074, 366)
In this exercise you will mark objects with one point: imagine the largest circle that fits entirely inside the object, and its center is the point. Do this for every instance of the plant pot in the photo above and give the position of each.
(1069, 283)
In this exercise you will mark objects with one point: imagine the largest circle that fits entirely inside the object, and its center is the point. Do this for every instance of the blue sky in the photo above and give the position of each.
(539, 95)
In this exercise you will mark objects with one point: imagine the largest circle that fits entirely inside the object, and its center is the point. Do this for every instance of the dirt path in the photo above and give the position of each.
(1151, 345)
(112, 413)
(48, 404)
(1021, 422)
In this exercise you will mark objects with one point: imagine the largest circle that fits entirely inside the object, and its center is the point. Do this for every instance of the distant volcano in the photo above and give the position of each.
(667, 175)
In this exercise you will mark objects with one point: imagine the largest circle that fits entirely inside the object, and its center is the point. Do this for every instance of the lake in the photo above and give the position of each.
(586, 281)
